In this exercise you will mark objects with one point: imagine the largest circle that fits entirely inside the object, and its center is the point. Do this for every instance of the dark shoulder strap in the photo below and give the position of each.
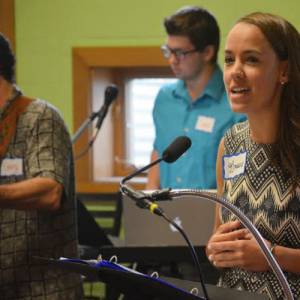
(8, 122)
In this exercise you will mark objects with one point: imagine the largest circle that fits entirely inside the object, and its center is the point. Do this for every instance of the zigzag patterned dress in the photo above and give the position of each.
(264, 194)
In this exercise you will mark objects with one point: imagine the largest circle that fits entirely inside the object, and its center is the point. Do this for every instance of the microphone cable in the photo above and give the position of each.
(89, 145)
(143, 200)
(179, 146)
(192, 251)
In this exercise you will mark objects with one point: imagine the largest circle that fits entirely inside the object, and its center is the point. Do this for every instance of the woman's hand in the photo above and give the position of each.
(233, 246)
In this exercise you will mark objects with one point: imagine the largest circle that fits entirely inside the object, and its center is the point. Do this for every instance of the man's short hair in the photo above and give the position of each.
(196, 23)
(7, 60)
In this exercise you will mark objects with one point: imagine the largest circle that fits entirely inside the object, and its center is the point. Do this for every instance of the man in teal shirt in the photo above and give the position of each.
(195, 106)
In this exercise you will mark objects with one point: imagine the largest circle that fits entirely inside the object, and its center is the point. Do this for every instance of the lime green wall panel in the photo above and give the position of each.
(46, 31)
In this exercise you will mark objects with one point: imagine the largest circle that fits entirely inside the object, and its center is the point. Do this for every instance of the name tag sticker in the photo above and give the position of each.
(205, 124)
(12, 166)
(234, 165)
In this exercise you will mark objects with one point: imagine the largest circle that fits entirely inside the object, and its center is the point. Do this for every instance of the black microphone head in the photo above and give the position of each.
(110, 94)
(176, 149)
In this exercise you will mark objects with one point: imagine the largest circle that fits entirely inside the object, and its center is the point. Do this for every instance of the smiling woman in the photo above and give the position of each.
(262, 76)
(253, 73)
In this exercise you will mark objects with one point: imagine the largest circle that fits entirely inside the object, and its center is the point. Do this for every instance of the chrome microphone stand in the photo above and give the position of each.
(247, 223)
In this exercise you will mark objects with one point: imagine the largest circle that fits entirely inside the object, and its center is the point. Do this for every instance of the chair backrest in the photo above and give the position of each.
(98, 216)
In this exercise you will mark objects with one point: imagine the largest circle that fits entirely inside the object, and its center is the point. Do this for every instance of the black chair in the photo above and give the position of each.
(89, 231)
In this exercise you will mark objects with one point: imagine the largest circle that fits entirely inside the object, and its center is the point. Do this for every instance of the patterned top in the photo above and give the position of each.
(264, 194)
(42, 144)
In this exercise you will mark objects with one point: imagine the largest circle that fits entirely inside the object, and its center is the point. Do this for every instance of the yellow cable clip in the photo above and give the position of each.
(152, 207)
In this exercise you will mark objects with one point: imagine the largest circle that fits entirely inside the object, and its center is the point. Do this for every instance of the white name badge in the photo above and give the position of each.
(12, 166)
(234, 165)
(205, 124)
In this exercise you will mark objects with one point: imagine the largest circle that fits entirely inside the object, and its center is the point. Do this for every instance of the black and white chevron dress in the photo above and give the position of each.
(264, 192)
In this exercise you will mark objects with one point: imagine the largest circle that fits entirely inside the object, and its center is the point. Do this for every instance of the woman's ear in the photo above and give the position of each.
(283, 77)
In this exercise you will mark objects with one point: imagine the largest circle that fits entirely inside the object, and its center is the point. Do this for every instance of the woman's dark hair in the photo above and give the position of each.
(196, 23)
(7, 60)
(285, 41)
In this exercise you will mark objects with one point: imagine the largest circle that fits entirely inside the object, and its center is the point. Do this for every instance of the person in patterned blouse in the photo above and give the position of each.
(258, 165)
(37, 203)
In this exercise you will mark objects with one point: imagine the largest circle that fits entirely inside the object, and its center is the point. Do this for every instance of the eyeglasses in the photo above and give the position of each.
(179, 54)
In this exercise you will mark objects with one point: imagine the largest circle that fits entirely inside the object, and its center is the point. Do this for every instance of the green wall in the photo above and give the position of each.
(46, 31)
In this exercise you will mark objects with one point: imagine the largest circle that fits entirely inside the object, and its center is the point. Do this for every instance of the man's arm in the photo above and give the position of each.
(153, 181)
(36, 193)
(46, 161)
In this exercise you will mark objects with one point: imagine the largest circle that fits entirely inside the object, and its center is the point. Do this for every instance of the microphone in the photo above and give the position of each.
(110, 94)
(179, 146)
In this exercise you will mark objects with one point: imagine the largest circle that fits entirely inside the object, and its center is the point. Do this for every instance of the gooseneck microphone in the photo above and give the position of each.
(204, 195)
(178, 147)
(143, 200)
(110, 94)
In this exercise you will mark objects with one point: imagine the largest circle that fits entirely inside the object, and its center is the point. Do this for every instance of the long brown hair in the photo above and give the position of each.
(285, 41)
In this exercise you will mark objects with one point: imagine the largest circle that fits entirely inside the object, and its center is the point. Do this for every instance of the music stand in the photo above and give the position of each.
(130, 283)
(137, 286)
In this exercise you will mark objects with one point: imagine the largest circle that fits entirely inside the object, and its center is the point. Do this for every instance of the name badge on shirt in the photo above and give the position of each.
(12, 166)
(234, 165)
(205, 124)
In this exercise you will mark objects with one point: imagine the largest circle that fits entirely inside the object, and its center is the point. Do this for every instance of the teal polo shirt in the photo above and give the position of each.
(204, 121)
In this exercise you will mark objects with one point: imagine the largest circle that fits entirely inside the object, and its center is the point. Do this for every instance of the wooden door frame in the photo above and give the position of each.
(7, 21)
(84, 60)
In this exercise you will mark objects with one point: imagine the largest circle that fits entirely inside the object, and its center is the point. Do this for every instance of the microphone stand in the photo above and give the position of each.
(83, 126)
(101, 114)
(122, 183)
(245, 221)
(110, 94)
(142, 200)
